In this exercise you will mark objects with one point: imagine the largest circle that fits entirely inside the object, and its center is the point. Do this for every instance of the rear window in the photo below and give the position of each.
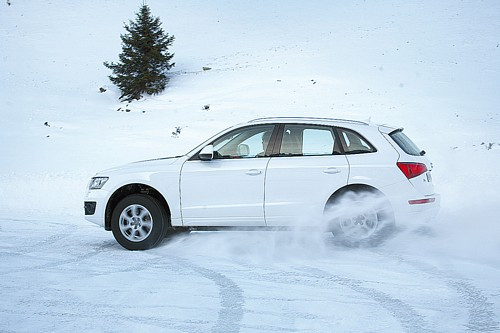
(405, 143)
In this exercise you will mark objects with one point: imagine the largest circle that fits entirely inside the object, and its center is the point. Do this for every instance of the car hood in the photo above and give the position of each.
(141, 166)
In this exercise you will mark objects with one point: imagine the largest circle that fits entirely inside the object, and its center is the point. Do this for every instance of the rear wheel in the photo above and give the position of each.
(361, 218)
(139, 222)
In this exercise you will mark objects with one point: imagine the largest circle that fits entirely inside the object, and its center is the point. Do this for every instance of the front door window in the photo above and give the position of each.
(248, 142)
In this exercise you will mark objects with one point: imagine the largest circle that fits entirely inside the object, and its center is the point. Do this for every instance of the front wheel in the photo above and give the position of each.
(139, 222)
(362, 218)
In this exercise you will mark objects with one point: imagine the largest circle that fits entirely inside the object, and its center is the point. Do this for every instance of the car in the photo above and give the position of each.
(351, 178)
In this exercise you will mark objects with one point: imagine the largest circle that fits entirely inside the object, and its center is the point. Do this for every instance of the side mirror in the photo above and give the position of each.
(207, 153)
(243, 150)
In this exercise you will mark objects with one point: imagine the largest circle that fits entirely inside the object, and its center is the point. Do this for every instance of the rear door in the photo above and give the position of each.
(305, 170)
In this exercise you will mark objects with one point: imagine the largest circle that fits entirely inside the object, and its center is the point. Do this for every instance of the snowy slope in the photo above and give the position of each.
(431, 67)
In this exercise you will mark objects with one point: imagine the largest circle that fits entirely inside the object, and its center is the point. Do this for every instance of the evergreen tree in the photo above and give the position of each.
(144, 59)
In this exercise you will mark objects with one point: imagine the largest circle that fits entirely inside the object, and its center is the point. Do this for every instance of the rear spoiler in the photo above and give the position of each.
(397, 130)
(385, 129)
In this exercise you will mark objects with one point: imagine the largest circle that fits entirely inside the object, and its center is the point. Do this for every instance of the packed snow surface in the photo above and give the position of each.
(432, 67)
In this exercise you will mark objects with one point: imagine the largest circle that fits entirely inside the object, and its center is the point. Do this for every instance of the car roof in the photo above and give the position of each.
(306, 120)
(322, 121)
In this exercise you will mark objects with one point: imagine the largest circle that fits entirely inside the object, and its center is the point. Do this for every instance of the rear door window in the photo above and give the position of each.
(307, 140)
(405, 143)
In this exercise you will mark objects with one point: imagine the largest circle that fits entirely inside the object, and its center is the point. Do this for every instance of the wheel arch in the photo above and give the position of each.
(352, 188)
(126, 190)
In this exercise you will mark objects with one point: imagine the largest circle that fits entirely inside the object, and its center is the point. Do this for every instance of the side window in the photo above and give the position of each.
(307, 140)
(355, 143)
(245, 142)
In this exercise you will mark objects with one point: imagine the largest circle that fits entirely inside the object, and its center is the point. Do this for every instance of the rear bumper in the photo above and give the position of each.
(427, 211)
(411, 206)
(423, 212)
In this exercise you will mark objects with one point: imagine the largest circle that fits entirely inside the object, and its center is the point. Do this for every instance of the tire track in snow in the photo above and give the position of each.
(481, 311)
(70, 309)
(409, 319)
(44, 243)
(231, 297)
(96, 251)
(48, 242)
(481, 315)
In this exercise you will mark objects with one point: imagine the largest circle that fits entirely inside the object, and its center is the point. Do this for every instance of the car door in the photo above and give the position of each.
(228, 190)
(307, 170)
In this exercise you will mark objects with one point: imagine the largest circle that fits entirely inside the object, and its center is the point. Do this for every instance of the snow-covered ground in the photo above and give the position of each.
(432, 67)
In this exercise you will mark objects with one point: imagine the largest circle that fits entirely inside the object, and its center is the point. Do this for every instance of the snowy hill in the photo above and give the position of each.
(430, 67)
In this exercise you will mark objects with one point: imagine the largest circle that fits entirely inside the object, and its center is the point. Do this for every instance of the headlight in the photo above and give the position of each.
(96, 183)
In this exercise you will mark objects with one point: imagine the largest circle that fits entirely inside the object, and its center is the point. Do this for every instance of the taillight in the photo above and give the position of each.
(412, 170)
(421, 201)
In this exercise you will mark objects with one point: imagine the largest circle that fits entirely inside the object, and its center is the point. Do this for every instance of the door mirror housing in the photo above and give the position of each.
(207, 153)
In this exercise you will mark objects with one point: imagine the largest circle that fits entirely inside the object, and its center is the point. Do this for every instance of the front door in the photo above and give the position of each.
(229, 189)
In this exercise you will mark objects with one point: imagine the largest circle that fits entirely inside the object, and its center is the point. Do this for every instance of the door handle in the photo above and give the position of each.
(253, 172)
(331, 171)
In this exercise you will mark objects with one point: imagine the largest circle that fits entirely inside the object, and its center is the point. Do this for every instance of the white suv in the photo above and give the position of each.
(348, 177)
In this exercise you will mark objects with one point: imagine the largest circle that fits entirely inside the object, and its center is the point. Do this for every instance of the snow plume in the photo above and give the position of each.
(465, 231)
(306, 237)
(466, 228)
(251, 246)
(468, 224)
(359, 214)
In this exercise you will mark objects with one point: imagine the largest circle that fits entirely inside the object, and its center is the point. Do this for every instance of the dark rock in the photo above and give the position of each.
(176, 132)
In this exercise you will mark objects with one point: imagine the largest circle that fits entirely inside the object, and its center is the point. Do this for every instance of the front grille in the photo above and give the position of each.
(89, 207)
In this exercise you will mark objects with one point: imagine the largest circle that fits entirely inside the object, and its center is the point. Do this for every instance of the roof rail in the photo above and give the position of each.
(310, 118)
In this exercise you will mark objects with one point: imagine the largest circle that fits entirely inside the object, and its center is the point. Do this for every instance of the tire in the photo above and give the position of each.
(139, 222)
(360, 218)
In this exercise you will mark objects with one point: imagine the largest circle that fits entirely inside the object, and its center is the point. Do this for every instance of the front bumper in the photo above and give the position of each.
(89, 207)
(95, 206)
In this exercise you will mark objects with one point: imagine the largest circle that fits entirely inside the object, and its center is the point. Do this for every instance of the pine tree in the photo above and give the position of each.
(144, 59)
